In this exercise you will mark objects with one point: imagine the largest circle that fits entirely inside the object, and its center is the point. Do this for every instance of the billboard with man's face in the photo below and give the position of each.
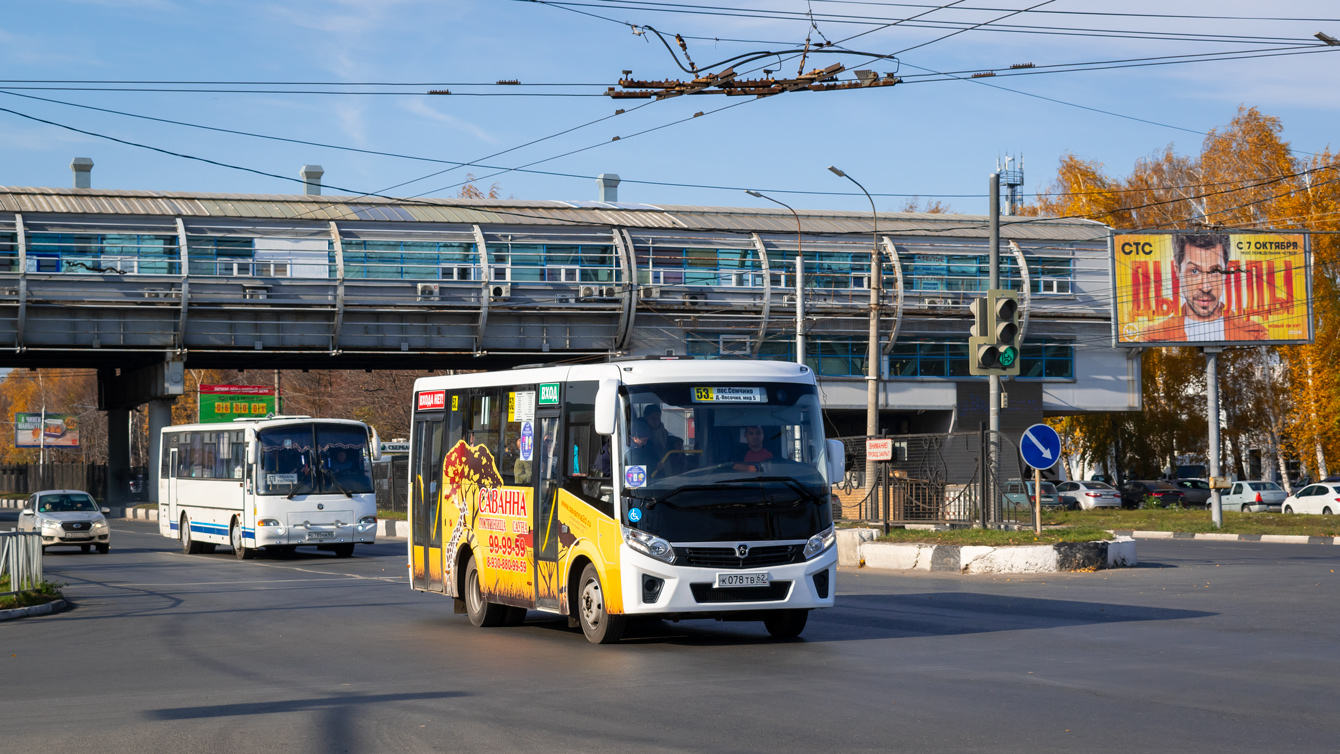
(1211, 289)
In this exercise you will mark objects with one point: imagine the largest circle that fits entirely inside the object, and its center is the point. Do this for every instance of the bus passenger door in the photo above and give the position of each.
(548, 452)
(167, 493)
(426, 494)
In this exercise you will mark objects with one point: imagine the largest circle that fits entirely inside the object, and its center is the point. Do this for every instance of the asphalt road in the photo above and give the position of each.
(1205, 647)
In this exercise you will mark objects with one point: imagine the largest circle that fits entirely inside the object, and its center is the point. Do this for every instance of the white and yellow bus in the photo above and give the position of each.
(674, 488)
(275, 483)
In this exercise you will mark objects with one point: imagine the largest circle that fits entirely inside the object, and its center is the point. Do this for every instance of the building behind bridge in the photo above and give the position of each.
(142, 283)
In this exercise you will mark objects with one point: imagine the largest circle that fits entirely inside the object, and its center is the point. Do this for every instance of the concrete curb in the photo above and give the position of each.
(24, 612)
(1283, 539)
(856, 547)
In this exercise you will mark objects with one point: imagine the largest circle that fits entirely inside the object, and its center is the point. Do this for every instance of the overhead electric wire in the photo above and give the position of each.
(779, 15)
(1123, 14)
(670, 184)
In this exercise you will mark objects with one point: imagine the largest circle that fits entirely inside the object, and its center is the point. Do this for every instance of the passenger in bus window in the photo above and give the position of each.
(521, 469)
(754, 453)
(640, 450)
(661, 441)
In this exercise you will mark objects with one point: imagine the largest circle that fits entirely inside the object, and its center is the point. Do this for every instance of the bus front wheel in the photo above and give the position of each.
(786, 624)
(240, 549)
(599, 626)
(188, 546)
(482, 613)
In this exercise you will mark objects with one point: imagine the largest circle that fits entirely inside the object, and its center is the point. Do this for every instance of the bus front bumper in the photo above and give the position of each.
(315, 534)
(686, 590)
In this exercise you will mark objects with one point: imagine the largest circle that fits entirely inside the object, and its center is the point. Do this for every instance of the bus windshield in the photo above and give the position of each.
(715, 462)
(307, 459)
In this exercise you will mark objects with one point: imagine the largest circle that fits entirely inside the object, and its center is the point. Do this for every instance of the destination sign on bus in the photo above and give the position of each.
(431, 400)
(730, 395)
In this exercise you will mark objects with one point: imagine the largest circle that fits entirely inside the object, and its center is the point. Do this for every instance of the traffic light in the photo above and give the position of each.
(994, 345)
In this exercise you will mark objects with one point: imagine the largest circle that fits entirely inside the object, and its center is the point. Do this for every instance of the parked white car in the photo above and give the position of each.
(66, 517)
(1323, 499)
(1088, 495)
(1255, 496)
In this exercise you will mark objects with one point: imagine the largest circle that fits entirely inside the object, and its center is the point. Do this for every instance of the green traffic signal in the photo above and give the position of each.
(1007, 356)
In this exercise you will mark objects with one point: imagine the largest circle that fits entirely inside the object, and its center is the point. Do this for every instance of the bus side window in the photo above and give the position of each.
(587, 459)
(165, 453)
(484, 427)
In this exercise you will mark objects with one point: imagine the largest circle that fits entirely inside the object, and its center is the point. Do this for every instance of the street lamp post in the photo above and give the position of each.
(872, 366)
(800, 279)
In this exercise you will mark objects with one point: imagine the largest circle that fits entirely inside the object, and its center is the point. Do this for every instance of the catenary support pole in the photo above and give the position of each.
(1212, 412)
(993, 398)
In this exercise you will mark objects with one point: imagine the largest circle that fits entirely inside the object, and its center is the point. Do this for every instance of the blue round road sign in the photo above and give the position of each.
(1040, 446)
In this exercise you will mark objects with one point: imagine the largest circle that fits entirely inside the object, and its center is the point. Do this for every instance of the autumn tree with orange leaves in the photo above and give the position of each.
(1276, 399)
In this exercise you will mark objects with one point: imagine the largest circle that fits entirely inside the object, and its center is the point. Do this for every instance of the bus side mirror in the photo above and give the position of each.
(375, 443)
(607, 400)
(837, 461)
(251, 453)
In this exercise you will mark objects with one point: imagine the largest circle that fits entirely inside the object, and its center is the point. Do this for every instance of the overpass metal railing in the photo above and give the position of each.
(20, 561)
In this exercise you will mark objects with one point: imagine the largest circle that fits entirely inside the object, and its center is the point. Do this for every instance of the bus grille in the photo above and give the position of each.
(777, 590)
(725, 557)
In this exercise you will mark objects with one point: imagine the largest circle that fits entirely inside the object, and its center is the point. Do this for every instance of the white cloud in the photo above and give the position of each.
(421, 108)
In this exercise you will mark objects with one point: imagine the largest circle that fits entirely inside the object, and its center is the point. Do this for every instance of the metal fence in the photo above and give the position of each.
(933, 479)
(20, 560)
(390, 480)
(27, 478)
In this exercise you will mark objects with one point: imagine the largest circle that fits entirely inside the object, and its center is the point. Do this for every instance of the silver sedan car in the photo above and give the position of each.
(67, 518)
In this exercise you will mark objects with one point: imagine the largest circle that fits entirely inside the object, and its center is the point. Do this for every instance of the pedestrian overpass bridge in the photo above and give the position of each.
(142, 284)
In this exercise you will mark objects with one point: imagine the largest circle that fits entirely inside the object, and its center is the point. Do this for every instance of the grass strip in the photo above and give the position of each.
(1195, 521)
(396, 515)
(47, 591)
(997, 537)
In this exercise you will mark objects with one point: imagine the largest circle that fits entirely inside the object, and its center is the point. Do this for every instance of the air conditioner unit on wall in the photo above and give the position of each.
(649, 292)
(429, 291)
(588, 291)
(609, 291)
(500, 291)
(939, 303)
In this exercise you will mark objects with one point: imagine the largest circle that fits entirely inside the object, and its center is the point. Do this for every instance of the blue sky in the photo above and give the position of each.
(930, 139)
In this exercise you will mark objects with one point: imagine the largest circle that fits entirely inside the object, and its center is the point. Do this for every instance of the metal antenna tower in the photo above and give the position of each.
(1013, 181)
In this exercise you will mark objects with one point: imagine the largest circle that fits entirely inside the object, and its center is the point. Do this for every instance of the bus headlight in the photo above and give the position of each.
(649, 544)
(820, 542)
(367, 522)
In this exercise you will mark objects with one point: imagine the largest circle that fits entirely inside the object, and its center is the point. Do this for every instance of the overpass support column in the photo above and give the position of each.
(160, 416)
(118, 456)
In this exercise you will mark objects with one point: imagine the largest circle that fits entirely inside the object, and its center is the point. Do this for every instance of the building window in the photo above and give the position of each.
(929, 359)
(1051, 274)
(1048, 362)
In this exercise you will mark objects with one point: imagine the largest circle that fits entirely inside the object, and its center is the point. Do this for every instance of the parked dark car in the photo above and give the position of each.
(1197, 491)
(1133, 493)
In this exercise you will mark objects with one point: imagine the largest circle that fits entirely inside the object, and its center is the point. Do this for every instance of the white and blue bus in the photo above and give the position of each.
(276, 483)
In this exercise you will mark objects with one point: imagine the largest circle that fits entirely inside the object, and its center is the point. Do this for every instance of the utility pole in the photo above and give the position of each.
(993, 399)
(800, 279)
(279, 409)
(873, 355)
(1212, 404)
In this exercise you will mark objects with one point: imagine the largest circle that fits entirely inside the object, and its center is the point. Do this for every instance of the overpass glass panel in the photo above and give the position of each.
(9, 253)
(117, 253)
(409, 260)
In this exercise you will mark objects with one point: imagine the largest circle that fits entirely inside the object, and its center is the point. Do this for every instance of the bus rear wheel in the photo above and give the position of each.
(786, 624)
(240, 549)
(599, 626)
(344, 550)
(482, 613)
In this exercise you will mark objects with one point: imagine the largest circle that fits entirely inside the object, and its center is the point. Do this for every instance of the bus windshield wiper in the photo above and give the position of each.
(331, 474)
